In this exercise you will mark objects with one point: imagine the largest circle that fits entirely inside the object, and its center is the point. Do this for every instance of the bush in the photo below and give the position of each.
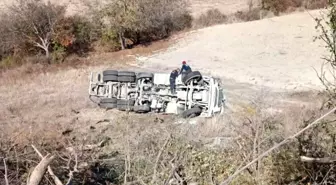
(251, 15)
(211, 17)
(278, 6)
(144, 21)
(109, 40)
(33, 27)
(74, 34)
(315, 4)
(286, 166)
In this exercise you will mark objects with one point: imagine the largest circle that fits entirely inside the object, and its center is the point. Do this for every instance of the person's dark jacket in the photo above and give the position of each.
(173, 75)
(185, 68)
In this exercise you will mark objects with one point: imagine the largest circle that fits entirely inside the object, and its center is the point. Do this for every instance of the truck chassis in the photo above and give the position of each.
(196, 95)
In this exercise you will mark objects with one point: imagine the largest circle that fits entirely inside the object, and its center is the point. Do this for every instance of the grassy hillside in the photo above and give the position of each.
(260, 64)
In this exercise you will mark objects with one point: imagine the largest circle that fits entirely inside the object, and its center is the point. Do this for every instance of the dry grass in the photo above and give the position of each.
(40, 108)
(39, 105)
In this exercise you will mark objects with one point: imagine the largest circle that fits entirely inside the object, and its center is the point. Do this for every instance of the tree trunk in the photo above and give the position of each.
(122, 40)
(47, 53)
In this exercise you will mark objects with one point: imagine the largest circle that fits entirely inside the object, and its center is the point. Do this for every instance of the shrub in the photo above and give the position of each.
(144, 21)
(278, 6)
(251, 15)
(286, 166)
(211, 17)
(74, 34)
(33, 27)
(315, 4)
(159, 19)
(109, 39)
(8, 61)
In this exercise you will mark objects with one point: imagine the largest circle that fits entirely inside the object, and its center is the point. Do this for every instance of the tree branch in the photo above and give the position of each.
(52, 174)
(158, 158)
(73, 152)
(325, 160)
(6, 172)
(40, 169)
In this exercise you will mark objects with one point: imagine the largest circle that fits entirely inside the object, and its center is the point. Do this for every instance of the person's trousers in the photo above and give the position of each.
(172, 85)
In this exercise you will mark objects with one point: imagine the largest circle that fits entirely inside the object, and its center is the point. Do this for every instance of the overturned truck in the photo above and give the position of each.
(196, 95)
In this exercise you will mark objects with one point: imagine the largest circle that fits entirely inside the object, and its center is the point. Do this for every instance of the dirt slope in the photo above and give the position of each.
(278, 52)
(274, 52)
(252, 59)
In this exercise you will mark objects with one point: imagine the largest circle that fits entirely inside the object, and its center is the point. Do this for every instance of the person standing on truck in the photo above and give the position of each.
(172, 80)
(185, 69)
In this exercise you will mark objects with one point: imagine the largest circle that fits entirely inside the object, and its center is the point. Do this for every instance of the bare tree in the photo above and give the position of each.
(33, 22)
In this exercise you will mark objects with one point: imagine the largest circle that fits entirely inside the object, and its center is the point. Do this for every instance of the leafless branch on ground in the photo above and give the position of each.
(6, 172)
(325, 160)
(40, 169)
(51, 172)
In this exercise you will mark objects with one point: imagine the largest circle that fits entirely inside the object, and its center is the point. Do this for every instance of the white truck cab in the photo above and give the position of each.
(196, 95)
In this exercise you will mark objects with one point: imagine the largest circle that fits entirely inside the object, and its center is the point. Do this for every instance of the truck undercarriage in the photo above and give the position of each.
(196, 95)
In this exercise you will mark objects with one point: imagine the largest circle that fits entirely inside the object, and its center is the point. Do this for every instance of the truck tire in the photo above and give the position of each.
(110, 72)
(108, 103)
(124, 105)
(110, 78)
(145, 75)
(126, 73)
(126, 102)
(191, 113)
(126, 79)
(141, 109)
(195, 75)
(109, 100)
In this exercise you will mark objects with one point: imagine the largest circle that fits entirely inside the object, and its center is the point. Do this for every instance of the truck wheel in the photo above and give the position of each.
(126, 102)
(125, 107)
(141, 109)
(126, 79)
(195, 75)
(191, 113)
(126, 73)
(108, 103)
(110, 72)
(110, 78)
(145, 75)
